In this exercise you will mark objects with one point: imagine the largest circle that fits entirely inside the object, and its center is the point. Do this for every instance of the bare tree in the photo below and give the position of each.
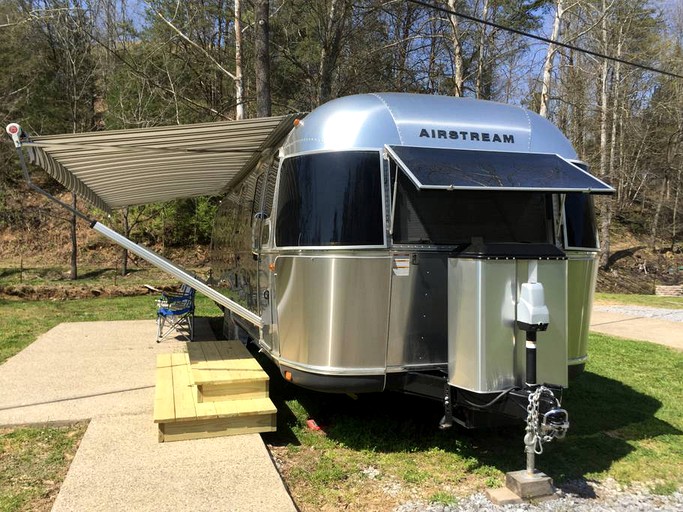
(218, 65)
(239, 84)
(72, 53)
(336, 19)
(458, 62)
(549, 57)
(606, 205)
(482, 52)
(263, 100)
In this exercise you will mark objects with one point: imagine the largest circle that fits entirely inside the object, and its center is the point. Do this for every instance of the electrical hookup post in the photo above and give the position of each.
(546, 420)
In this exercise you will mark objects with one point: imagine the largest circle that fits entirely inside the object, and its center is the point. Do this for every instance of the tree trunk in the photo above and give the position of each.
(658, 211)
(482, 45)
(263, 101)
(73, 275)
(674, 231)
(615, 119)
(549, 57)
(563, 111)
(459, 65)
(239, 84)
(403, 53)
(331, 47)
(605, 207)
(126, 233)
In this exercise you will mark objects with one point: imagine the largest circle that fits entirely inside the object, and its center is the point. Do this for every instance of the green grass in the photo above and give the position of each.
(443, 498)
(653, 301)
(33, 463)
(626, 414)
(21, 322)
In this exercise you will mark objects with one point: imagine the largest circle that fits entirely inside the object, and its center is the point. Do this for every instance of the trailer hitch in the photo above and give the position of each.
(543, 427)
(555, 423)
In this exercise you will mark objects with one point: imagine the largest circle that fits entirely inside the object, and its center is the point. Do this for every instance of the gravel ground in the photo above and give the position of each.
(672, 315)
(576, 496)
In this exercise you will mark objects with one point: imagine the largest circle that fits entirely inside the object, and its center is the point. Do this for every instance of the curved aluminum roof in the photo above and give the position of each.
(118, 168)
(371, 121)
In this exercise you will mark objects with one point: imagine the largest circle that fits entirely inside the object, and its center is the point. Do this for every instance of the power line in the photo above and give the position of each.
(543, 39)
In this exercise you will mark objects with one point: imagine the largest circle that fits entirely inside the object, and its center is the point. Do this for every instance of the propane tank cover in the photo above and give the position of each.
(531, 308)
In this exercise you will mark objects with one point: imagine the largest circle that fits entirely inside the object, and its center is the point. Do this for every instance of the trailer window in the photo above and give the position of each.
(579, 217)
(458, 216)
(330, 199)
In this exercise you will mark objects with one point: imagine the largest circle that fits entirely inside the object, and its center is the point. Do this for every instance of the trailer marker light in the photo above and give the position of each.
(298, 122)
(288, 376)
(271, 267)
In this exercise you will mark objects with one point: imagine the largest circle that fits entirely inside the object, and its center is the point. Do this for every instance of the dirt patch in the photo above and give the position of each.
(50, 292)
(38, 235)
(635, 268)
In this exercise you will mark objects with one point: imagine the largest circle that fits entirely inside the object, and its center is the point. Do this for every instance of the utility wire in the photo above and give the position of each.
(543, 39)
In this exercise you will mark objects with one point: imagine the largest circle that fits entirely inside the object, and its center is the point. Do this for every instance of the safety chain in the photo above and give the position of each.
(537, 434)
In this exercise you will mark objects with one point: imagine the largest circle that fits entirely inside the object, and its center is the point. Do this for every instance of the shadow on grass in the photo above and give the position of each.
(8, 272)
(605, 415)
(95, 273)
(47, 273)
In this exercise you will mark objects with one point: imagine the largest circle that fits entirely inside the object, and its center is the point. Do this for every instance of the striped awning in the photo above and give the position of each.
(118, 168)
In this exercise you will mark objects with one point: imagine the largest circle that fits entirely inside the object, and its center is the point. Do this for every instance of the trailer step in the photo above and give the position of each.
(181, 416)
(225, 370)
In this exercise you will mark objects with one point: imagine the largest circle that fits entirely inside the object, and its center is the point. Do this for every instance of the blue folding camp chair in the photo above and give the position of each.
(175, 313)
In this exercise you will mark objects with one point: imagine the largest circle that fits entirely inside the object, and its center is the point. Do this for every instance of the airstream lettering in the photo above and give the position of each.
(465, 135)
(456, 262)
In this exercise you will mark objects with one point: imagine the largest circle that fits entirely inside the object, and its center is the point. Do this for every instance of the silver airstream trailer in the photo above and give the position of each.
(439, 246)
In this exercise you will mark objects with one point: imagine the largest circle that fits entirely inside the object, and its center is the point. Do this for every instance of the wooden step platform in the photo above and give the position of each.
(177, 407)
(225, 370)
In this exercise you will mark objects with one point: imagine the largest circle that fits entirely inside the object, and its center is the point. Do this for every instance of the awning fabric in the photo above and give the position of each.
(118, 168)
(453, 169)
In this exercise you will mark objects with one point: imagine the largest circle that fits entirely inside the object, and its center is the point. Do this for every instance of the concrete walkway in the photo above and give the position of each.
(105, 371)
(655, 330)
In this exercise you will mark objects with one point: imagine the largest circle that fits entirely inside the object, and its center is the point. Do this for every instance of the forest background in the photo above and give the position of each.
(84, 65)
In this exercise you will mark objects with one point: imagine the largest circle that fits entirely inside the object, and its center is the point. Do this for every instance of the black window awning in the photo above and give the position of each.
(457, 169)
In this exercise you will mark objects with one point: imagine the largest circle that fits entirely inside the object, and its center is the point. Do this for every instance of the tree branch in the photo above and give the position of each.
(191, 42)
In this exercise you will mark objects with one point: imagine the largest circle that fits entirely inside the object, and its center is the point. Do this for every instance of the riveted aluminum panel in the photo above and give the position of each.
(369, 121)
(582, 271)
(481, 334)
(333, 312)
(418, 324)
(486, 350)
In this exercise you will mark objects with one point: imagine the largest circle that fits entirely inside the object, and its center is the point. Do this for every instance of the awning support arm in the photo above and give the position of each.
(180, 274)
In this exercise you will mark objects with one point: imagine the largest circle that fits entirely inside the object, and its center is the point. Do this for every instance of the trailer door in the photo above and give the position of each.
(262, 245)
